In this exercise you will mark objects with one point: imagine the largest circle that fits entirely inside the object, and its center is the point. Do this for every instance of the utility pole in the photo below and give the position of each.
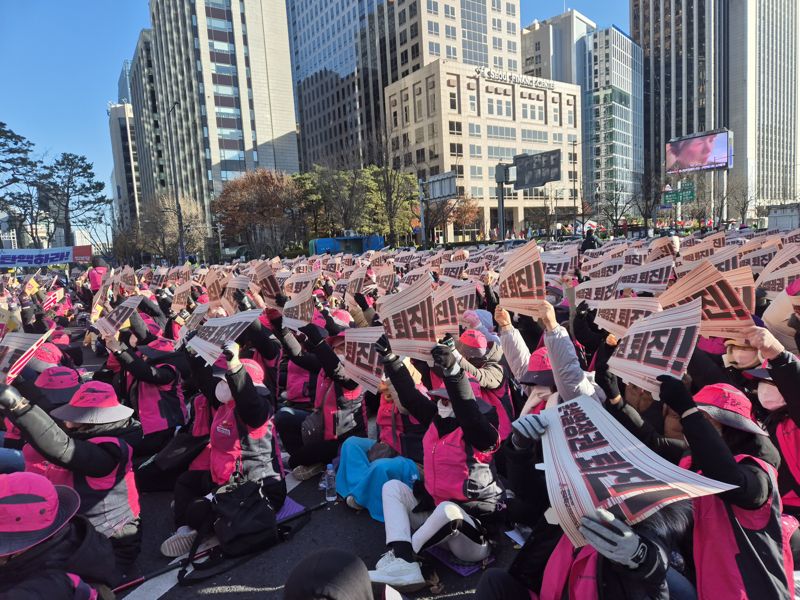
(422, 214)
(178, 211)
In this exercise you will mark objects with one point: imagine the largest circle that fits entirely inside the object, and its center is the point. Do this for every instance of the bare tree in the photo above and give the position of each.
(159, 232)
(615, 203)
(647, 200)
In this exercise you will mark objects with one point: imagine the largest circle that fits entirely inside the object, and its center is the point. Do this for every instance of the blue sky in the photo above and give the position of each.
(62, 58)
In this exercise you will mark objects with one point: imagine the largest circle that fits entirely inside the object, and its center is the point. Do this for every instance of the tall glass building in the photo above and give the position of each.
(345, 52)
(613, 126)
(607, 64)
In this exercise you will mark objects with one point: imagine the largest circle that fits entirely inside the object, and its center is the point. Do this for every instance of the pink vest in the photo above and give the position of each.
(83, 591)
(109, 502)
(96, 277)
(298, 384)
(159, 407)
(202, 426)
(452, 467)
(500, 399)
(12, 431)
(742, 554)
(254, 451)
(570, 570)
(787, 435)
(36, 463)
(340, 407)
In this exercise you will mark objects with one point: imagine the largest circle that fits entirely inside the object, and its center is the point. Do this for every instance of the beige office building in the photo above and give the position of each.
(449, 116)
(223, 85)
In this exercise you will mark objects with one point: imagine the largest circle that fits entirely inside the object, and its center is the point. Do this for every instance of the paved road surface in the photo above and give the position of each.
(263, 576)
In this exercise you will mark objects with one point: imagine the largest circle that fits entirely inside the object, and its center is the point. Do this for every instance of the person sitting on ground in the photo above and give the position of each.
(312, 439)
(47, 550)
(242, 443)
(92, 454)
(460, 485)
(365, 465)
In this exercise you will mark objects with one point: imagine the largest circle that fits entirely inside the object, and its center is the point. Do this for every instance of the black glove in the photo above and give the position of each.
(608, 382)
(794, 322)
(382, 346)
(675, 395)
(10, 398)
(443, 357)
(581, 310)
(315, 334)
(281, 300)
(361, 300)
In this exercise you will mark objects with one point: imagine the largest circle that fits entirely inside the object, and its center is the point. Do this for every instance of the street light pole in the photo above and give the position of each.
(178, 210)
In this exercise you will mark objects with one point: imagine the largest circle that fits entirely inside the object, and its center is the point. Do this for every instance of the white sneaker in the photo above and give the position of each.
(179, 543)
(403, 575)
(384, 560)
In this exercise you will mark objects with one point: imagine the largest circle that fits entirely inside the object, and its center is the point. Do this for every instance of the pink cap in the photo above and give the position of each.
(58, 384)
(48, 353)
(253, 369)
(472, 338)
(540, 370)
(729, 406)
(793, 289)
(712, 345)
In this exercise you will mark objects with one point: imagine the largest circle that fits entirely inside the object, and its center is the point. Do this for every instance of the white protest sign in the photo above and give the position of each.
(592, 461)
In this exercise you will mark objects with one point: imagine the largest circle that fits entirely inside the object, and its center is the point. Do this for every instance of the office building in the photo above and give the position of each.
(125, 177)
(146, 123)
(713, 64)
(556, 48)
(607, 65)
(344, 55)
(449, 116)
(223, 91)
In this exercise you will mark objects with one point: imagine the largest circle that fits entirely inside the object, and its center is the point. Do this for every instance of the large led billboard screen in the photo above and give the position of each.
(700, 152)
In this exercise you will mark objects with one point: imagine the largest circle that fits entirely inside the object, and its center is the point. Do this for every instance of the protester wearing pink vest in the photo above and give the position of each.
(741, 543)
(778, 389)
(97, 453)
(312, 439)
(460, 485)
(154, 388)
(242, 443)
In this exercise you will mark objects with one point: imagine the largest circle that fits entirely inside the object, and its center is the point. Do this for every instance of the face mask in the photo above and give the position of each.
(445, 411)
(744, 358)
(223, 392)
(769, 396)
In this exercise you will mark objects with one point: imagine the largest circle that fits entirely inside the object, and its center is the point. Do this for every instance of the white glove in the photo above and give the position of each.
(527, 430)
(613, 539)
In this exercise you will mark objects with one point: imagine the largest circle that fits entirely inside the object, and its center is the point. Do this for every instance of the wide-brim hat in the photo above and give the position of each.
(94, 403)
(32, 510)
(59, 384)
(729, 406)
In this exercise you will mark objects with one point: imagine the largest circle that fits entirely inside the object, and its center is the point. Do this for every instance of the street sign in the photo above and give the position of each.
(683, 195)
(534, 170)
(442, 187)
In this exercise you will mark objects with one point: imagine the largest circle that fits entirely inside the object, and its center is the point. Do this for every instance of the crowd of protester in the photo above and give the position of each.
(452, 464)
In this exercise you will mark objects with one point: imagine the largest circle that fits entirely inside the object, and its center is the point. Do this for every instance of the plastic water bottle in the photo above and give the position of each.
(330, 484)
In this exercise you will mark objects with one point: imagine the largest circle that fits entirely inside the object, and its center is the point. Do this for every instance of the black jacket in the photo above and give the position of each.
(41, 571)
